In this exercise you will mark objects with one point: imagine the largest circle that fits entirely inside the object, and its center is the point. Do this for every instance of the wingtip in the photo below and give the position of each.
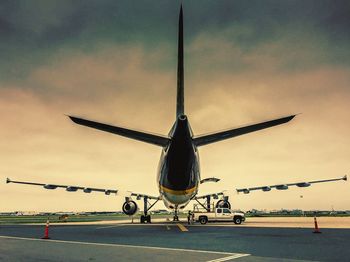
(345, 178)
(291, 117)
(8, 180)
(72, 118)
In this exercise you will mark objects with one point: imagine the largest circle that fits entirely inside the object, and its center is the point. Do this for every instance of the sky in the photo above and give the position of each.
(115, 62)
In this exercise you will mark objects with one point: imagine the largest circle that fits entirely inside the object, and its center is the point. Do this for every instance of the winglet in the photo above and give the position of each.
(345, 178)
(8, 180)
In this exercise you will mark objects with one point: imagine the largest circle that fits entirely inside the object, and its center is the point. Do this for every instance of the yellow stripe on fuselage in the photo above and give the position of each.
(178, 192)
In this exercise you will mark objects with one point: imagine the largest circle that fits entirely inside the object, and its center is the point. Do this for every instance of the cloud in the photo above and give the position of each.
(32, 33)
(244, 63)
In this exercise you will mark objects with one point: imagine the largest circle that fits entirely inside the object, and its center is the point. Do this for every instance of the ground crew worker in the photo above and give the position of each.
(189, 216)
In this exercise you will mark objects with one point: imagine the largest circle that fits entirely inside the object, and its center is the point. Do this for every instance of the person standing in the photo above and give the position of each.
(189, 217)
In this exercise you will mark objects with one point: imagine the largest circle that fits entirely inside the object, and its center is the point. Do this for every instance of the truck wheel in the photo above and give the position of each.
(203, 220)
(237, 220)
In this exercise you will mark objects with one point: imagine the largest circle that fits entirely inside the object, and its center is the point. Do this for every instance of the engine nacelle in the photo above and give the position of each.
(223, 204)
(130, 208)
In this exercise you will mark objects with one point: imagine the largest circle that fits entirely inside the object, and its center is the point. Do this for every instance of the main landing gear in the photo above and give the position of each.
(146, 218)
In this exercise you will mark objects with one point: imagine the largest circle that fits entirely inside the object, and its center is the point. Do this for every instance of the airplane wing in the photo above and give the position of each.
(213, 195)
(84, 189)
(202, 140)
(286, 186)
(139, 196)
(133, 134)
(68, 188)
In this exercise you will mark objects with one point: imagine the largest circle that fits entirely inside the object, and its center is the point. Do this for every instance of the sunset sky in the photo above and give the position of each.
(115, 62)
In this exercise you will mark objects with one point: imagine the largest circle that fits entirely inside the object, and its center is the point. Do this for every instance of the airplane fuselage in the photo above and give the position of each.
(178, 171)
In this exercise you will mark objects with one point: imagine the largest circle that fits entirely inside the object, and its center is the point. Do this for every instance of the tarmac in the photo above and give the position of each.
(168, 241)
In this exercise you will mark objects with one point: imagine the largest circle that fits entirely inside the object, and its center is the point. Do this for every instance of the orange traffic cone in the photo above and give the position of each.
(46, 236)
(317, 230)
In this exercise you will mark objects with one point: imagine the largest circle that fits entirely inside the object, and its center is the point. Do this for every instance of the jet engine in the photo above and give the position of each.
(130, 208)
(223, 204)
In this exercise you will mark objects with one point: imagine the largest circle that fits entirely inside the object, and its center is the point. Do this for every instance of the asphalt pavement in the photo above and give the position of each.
(168, 242)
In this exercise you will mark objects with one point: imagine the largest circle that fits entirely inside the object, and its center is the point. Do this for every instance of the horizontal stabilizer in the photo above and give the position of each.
(133, 134)
(216, 137)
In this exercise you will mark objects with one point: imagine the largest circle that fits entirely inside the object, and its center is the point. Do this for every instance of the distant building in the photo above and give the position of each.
(26, 213)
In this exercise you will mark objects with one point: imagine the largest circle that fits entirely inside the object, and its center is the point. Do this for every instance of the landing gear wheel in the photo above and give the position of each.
(176, 218)
(203, 220)
(145, 219)
(237, 220)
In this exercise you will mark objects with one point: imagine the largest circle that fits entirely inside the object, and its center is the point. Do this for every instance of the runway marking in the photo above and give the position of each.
(229, 257)
(109, 226)
(182, 227)
(126, 246)
(167, 227)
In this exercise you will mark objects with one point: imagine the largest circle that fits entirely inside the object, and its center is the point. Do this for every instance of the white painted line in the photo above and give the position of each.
(229, 258)
(120, 245)
(109, 226)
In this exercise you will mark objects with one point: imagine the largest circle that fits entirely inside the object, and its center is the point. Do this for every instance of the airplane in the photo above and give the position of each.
(178, 175)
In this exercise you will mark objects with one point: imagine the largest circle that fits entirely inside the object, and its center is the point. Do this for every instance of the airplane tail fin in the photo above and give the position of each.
(180, 69)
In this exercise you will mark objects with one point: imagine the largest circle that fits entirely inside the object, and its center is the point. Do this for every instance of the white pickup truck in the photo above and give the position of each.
(220, 214)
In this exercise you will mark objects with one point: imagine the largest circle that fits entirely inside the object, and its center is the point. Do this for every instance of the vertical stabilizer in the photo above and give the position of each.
(180, 69)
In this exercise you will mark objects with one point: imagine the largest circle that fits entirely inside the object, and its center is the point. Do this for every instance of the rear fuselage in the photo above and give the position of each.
(178, 171)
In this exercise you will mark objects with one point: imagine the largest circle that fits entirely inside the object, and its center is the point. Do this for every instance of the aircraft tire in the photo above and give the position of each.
(142, 219)
(148, 219)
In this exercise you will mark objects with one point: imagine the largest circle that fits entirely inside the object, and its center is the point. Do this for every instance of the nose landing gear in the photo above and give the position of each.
(176, 217)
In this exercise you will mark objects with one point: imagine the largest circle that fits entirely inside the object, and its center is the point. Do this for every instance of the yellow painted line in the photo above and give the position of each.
(182, 227)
